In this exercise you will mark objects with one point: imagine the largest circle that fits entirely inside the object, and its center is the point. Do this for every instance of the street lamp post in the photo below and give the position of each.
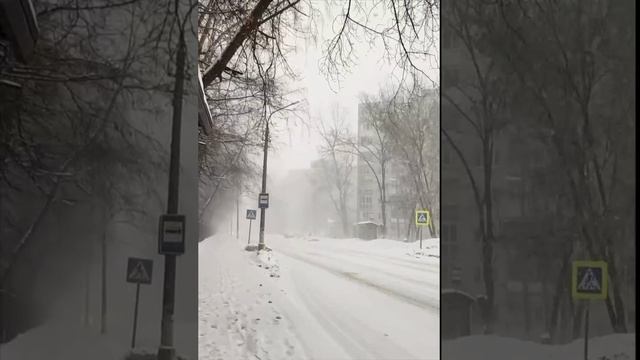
(264, 184)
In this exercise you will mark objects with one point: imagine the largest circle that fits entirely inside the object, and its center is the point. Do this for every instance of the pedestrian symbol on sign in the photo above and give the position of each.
(139, 274)
(139, 271)
(589, 280)
(422, 218)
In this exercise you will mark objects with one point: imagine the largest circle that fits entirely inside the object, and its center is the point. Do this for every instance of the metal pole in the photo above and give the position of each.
(166, 350)
(421, 238)
(135, 317)
(249, 241)
(264, 184)
(238, 216)
(586, 332)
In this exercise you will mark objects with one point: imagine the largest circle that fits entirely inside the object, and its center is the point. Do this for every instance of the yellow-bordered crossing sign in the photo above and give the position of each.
(589, 280)
(423, 218)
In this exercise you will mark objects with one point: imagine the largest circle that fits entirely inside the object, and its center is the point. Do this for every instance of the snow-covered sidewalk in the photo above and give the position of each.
(240, 313)
(611, 347)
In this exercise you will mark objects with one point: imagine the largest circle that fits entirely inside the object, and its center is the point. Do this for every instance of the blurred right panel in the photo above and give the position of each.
(538, 179)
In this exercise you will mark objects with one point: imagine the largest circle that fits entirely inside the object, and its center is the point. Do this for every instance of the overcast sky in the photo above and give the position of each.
(297, 148)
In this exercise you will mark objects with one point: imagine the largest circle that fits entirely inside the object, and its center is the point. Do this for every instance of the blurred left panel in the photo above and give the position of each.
(98, 179)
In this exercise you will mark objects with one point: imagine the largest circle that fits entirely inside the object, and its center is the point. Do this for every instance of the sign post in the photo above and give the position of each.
(423, 218)
(139, 271)
(588, 282)
(251, 215)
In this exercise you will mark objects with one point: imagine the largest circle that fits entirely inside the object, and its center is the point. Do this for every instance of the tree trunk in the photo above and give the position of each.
(487, 249)
(103, 283)
(251, 24)
(578, 315)
(344, 218)
(620, 325)
(561, 284)
(409, 225)
(87, 291)
(432, 227)
(526, 304)
(383, 201)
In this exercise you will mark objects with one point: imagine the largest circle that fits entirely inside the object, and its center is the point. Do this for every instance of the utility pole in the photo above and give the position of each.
(264, 172)
(166, 350)
(264, 183)
(238, 215)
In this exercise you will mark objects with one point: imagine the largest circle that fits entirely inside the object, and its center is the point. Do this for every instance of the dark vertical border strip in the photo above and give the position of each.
(635, 109)
(440, 172)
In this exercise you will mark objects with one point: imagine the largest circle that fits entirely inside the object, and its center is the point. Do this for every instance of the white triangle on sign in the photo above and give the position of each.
(139, 273)
(422, 217)
(589, 282)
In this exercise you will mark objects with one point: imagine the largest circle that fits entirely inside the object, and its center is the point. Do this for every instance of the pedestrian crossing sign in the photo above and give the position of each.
(423, 218)
(139, 271)
(589, 280)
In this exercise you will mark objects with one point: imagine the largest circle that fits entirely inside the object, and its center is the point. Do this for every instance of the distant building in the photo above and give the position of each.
(368, 194)
(400, 203)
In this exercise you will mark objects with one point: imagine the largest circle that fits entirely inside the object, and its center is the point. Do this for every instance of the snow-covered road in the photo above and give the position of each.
(319, 299)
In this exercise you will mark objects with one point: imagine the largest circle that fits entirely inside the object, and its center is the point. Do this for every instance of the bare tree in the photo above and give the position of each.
(582, 99)
(337, 166)
(241, 43)
(480, 104)
(372, 148)
(71, 130)
(412, 125)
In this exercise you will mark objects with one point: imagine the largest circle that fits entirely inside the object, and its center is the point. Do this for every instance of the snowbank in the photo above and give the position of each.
(62, 342)
(611, 347)
(66, 340)
(430, 251)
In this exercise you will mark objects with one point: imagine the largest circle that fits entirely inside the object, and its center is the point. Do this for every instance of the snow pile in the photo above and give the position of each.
(62, 342)
(148, 354)
(611, 347)
(429, 253)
